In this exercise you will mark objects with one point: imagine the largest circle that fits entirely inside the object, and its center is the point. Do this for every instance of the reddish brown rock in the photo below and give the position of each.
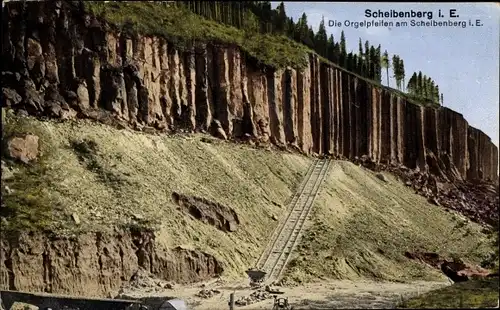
(144, 81)
(456, 270)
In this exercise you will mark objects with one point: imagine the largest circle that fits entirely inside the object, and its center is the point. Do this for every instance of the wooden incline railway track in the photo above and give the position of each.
(285, 237)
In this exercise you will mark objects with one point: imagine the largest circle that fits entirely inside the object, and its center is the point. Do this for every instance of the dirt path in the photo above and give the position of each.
(322, 295)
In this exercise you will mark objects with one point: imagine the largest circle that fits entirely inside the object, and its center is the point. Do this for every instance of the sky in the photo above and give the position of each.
(464, 62)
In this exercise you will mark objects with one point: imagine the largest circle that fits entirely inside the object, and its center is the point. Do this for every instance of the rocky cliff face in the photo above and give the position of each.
(95, 264)
(60, 62)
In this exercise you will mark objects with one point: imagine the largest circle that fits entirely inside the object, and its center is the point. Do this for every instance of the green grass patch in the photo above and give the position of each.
(471, 294)
(27, 203)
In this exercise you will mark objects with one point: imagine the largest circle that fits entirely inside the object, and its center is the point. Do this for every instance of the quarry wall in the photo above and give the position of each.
(59, 62)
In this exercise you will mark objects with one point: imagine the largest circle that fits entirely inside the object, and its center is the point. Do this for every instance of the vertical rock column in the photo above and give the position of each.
(189, 106)
(334, 142)
(304, 108)
(431, 130)
(316, 104)
(420, 137)
(274, 95)
(290, 112)
(400, 129)
(493, 172)
(249, 123)
(203, 113)
(473, 149)
(114, 96)
(385, 130)
(460, 149)
(325, 97)
(337, 102)
(151, 76)
(410, 136)
(445, 136)
(394, 128)
(257, 93)
(356, 133)
(362, 115)
(354, 107)
(222, 86)
(164, 81)
(482, 153)
(331, 110)
(345, 109)
(130, 80)
(236, 106)
(374, 121)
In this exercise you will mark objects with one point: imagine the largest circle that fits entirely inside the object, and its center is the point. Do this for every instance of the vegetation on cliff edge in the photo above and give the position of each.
(182, 27)
(268, 35)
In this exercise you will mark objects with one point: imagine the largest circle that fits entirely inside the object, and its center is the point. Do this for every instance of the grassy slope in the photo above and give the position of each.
(182, 27)
(470, 294)
(126, 178)
(363, 226)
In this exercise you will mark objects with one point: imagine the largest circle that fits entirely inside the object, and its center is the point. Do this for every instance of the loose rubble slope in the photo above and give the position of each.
(362, 225)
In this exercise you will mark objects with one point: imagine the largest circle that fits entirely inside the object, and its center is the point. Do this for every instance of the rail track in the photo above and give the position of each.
(278, 251)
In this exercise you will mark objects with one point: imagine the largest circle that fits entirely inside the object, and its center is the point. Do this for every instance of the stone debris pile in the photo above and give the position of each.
(207, 293)
(476, 200)
(455, 269)
(256, 296)
(143, 279)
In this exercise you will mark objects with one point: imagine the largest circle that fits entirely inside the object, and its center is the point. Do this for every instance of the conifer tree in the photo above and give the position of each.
(331, 49)
(436, 95)
(321, 39)
(401, 70)
(419, 84)
(378, 66)
(259, 17)
(361, 59)
(281, 23)
(367, 63)
(343, 50)
(349, 62)
(395, 69)
(385, 64)
(360, 47)
(412, 84)
(430, 89)
(337, 53)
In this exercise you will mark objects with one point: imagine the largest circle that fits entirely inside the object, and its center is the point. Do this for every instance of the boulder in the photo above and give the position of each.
(10, 97)
(381, 177)
(23, 148)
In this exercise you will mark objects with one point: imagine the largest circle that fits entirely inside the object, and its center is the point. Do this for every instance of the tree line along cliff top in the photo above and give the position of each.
(268, 35)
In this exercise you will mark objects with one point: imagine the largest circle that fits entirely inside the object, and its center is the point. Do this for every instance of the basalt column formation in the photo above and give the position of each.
(60, 62)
